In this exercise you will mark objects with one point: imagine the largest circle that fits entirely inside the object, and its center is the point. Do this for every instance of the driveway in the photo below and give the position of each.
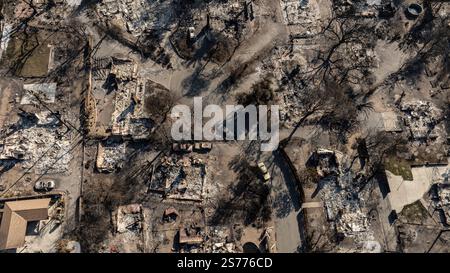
(286, 206)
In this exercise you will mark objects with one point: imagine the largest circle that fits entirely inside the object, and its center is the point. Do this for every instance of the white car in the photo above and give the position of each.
(262, 167)
(44, 185)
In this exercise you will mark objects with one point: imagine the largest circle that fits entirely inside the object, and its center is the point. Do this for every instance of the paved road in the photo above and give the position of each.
(286, 206)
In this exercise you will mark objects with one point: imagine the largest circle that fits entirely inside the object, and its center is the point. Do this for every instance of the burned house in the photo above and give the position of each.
(110, 156)
(423, 119)
(35, 134)
(116, 85)
(334, 216)
(179, 177)
(129, 218)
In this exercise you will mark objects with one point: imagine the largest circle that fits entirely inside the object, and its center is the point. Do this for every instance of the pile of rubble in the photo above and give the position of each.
(43, 149)
(180, 177)
(442, 200)
(123, 69)
(290, 112)
(352, 224)
(46, 12)
(36, 93)
(220, 25)
(136, 16)
(360, 8)
(342, 201)
(110, 156)
(422, 117)
(129, 117)
(191, 235)
(303, 14)
(223, 248)
(123, 109)
(128, 226)
(326, 162)
(345, 211)
(220, 241)
(129, 218)
(287, 64)
(221, 14)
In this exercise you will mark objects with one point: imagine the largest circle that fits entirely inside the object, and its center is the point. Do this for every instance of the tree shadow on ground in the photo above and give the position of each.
(282, 205)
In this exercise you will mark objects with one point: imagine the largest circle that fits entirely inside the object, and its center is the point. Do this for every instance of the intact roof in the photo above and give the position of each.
(16, 214)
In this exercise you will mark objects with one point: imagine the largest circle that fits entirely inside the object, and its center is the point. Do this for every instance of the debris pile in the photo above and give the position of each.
(222, 14)
(220, 241)
(110, 156)
(136, 16)
(123, 69)
(180, 177)
(290, 112)
(42, 149)
(352, 223)
(223, 248)
(129, 218)
(358, 8)
(170, 215)
(218, 33)
(128, 118)
(422, 117)
(326, 162)
(303, 14)
(345, 211)
(38, 93)
(191, 235)
(442, 200)
(343, 202)
(46, 118)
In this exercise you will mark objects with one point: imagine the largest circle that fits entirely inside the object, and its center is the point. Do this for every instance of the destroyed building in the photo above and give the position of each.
(180, 177)
(86, 92)
(110, 156)
(118, 79)
(343, 206)
(423, 119)
(41, 141)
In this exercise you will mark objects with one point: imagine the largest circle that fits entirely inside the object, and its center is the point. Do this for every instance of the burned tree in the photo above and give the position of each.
(343, 55)
(429, 39)
(334, 107)
(262, 93)
(371, 150)
(248, 199)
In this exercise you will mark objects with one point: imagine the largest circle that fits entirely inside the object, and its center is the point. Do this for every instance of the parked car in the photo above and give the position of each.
(265, 173)
(182, 147)
(44, 185)
(203, 146)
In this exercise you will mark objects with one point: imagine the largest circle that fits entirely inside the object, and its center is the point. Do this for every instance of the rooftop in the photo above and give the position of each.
(15, 217)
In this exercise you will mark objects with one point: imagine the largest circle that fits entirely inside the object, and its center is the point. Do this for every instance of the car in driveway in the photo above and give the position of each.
(202, 146)
(182, 147)
(264, 171)
(44, 185)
